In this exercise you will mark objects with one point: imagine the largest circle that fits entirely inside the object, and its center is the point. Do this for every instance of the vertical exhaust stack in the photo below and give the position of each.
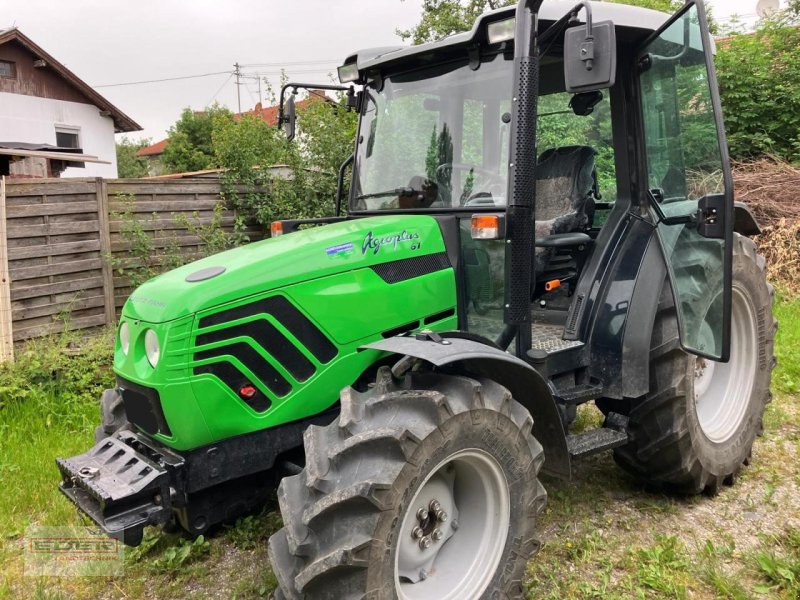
(522, 176)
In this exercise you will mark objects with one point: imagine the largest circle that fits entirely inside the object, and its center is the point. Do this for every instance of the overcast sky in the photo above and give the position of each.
(119, 41)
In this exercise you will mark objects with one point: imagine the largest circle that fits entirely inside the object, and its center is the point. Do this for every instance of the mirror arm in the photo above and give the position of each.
(568, 19)
(649, 60)
(587, 49)
(307, 86)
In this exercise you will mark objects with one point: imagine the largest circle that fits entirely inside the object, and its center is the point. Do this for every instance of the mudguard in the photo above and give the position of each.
(744, 222)
(526, 385)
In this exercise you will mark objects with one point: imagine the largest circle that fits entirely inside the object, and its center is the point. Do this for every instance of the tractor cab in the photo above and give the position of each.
(614, 147)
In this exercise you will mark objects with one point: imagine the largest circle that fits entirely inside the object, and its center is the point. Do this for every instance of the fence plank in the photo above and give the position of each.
(37, 210)
(57, 326)
(27, 231)
(75, 266)
(6, 317)
(53, 249)
(60, 287)
(105, 249)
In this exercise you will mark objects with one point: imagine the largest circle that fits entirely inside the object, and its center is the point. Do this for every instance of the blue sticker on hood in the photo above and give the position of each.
(339, 249)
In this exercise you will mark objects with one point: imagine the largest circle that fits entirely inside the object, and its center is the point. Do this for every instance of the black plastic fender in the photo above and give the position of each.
(743, 220)
(526, 385)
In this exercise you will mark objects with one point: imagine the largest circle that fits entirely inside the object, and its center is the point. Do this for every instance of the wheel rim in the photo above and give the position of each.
(722, 391)
(454, 554)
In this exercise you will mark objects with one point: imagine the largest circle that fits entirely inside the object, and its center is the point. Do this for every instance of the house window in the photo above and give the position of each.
(68, 137)
(8, 69)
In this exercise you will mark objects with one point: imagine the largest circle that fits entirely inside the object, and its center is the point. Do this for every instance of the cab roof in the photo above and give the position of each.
(638, 20)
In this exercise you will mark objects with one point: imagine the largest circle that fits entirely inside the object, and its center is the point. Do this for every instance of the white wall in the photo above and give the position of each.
(34, 120)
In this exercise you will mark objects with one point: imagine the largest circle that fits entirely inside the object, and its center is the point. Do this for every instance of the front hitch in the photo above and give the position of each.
(124, 483)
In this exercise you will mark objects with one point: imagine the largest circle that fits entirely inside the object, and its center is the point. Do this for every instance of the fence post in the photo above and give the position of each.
(105, 250)
(6, 322)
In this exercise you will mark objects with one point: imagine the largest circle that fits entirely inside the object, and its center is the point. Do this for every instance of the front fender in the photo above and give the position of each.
(526, 385)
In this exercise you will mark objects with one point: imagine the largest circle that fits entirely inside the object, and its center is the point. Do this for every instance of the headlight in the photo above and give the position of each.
(124, 337)
(151, 348)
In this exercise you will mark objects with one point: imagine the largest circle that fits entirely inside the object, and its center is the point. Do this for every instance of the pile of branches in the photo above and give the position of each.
(771, 188)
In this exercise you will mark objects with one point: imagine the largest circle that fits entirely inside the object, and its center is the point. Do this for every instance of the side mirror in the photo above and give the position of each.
(590, 57)
(290, 118)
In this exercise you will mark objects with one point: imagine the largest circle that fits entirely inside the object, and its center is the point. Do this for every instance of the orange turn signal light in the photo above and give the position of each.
(487, 227)
(276, 228)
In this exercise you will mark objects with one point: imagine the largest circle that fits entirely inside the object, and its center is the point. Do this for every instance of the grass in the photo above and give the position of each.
(604, 535)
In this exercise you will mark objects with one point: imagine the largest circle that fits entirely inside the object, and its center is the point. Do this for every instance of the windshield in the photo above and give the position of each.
(436, 138)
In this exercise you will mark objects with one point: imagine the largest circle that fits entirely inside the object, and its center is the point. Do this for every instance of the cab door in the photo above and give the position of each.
(688, 176)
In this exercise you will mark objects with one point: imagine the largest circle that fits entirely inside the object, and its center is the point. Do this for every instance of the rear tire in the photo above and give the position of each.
(353, 527)
(695, 428)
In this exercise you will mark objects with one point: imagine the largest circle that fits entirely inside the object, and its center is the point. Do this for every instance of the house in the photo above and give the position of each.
(46, 109)
(268, 114)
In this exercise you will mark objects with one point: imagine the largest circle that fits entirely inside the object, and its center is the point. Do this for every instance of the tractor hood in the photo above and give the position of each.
(283, 261)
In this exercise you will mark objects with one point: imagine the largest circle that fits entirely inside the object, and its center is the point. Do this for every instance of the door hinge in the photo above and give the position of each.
(710, 217)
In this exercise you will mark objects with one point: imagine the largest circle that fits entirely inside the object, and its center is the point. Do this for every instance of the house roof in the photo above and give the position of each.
(153, 149)
(122, 122)
(268, 114)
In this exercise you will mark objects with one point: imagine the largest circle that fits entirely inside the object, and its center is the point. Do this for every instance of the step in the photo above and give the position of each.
(595, 441)
(580, 393)
(548, 339)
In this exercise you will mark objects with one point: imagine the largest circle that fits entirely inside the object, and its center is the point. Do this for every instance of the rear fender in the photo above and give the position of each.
(526, 385)
(744, 222)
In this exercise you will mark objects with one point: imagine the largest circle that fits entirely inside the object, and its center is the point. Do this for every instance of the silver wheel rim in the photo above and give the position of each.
(722, 391)
(454, 552)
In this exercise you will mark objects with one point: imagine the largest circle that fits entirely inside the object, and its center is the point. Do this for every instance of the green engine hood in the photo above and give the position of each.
(282, 261)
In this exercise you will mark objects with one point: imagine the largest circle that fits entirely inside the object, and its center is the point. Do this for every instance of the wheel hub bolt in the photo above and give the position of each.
(454, 524)
(441, 516)
(425, 542)
(422, 514)
(437, 534)
(417, 533)
(434, 506)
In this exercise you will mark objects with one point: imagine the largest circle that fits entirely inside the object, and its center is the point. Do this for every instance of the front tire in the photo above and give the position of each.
(695, 428)
(423, 489)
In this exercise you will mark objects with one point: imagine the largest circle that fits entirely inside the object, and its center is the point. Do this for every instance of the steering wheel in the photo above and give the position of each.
(482, 183)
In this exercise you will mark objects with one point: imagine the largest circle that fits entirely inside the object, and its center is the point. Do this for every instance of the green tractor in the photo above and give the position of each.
(541, 215)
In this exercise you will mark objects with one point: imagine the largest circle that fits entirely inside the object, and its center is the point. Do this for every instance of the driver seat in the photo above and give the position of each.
(566, 186)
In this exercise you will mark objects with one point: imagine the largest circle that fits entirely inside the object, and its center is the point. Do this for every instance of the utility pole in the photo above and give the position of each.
(238, 72)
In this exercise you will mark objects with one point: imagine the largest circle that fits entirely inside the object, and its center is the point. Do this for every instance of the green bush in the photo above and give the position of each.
(58, 372)
(759, 80)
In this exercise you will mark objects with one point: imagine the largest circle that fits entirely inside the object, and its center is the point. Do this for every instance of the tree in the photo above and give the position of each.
(759, 80)
(247, 148)
(190, 146)
(128, 164)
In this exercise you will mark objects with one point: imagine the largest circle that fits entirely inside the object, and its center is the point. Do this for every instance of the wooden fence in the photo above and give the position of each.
(57, 237)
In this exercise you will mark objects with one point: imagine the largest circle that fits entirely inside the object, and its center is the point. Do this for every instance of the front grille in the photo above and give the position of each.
(143, 407)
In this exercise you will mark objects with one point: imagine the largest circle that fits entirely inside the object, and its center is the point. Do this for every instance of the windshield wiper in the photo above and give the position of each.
(406, 192)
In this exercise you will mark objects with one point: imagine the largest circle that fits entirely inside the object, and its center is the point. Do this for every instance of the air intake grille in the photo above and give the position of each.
(264, 335)
(408, 268)
(287, 315)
